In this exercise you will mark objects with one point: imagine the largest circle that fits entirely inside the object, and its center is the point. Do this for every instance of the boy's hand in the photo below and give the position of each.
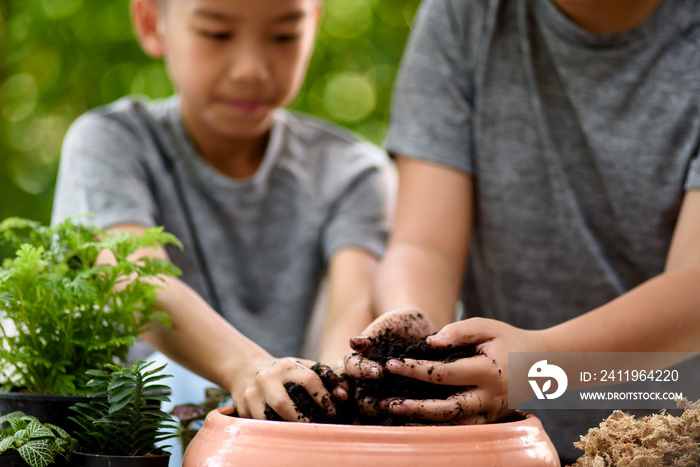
(486, 374)
(336, 372)
(400, 323)
(262, 384)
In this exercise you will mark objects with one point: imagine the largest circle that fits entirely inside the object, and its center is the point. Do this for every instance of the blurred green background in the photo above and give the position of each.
(59, 58)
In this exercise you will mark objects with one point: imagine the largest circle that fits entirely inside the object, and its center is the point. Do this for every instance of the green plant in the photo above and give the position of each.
(60, 314)
(37, 443)
(123, 416)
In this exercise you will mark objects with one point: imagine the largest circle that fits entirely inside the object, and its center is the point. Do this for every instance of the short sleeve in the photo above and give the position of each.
(692, 180)
(360, 217)
(431, 114)
(100, 175)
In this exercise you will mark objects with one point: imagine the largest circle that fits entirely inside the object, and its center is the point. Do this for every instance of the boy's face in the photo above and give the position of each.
(234, 62)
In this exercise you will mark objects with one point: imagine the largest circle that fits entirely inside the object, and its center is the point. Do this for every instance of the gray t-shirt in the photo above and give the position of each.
(265, 241)
(581, 147)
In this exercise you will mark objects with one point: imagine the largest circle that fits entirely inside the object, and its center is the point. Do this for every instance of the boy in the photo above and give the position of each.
(558, 142)
(265, 201)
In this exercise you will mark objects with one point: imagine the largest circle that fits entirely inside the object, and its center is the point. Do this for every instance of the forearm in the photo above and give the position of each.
(427, 253)
(349, 307)
(339, 327)
(412, 277)
(200, 339)
(660, 315)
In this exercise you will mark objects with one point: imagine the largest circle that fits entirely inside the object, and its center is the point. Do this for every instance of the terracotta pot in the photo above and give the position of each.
(228, 441)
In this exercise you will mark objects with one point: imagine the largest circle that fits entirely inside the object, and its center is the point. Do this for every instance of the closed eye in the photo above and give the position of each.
(282, 38)
(215, 35)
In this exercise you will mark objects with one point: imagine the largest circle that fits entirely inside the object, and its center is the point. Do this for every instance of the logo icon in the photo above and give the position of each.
(542, 369)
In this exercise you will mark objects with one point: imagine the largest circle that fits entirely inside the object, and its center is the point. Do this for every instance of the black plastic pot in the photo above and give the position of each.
(79, 459)
(48, 408)
(12, 459)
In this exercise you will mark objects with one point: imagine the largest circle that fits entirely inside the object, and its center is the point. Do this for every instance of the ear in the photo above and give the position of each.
(318, 11)
(147, 16)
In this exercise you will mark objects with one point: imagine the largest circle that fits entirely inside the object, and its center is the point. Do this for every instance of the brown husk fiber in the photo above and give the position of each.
(655, 440)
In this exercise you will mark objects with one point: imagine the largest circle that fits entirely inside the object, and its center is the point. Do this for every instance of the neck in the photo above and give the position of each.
(235, 158)
(607, 16)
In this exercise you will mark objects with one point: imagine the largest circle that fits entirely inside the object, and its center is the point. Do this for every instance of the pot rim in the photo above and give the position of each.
(525, 422)
(51, 397)
(45, 397)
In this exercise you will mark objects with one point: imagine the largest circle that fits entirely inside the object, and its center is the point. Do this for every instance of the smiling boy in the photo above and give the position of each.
(265, 201)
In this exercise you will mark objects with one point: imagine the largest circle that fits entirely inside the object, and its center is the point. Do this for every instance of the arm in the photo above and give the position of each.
(422, 269)
(104, 171)
(660, 315)
(426, 257)
(349, 309)
(217, 351)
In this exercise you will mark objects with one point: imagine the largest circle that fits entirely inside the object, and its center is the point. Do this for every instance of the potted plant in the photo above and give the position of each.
(122, 424)
(61, 314)
(27, 441)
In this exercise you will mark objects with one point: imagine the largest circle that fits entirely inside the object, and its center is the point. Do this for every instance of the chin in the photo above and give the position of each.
(248, 133)
(245, 128)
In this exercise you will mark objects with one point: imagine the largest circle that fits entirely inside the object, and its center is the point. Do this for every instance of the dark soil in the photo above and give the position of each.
(346, 411)
(392, 386)
(384, 348)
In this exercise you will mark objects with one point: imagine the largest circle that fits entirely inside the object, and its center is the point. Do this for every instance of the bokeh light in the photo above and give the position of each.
(349, 97)
(59, 58)
(347, 19)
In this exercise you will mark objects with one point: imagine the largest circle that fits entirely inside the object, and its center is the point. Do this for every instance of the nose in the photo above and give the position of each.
(249, 64)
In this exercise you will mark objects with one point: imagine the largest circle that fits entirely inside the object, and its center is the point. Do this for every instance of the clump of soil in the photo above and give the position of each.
(655, 440)
(390, 347)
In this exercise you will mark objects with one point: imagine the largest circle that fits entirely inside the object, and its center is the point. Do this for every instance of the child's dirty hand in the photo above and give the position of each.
(265, 393)
(335, 379)
(485, 374)
(407, 324)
